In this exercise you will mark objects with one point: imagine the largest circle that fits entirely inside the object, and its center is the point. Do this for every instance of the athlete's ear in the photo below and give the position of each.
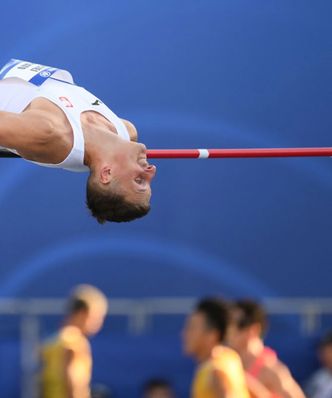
(105, 175)
(256, 330)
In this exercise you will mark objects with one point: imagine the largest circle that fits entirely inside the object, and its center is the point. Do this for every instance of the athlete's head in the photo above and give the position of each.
(87, 308)
(206, 327)
(248, 321)
(119, 188)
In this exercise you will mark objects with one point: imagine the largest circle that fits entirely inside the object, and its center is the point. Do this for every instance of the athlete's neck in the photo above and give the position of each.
(99, 140)
(92, 119)
(204, 354)
(252, 350)
(75, 322)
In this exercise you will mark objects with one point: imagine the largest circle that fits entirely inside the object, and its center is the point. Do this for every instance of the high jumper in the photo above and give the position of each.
(47, 119)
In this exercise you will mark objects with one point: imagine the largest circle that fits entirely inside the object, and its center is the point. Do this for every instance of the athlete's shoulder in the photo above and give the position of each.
(225, 356)
(222, 350)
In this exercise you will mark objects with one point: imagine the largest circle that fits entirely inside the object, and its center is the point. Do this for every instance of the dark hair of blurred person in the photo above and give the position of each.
(320, 383)
(158, 388)
(219, 372)
(66, 357)
(245, 335)
(251, 313)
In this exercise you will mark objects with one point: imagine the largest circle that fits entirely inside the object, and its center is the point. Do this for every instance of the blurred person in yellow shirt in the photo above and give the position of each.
(66, 357)
(219, 373)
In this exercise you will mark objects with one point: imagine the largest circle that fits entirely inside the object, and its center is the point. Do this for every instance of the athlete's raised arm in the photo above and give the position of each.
(28, 131)
(256, 388)
(281, 382)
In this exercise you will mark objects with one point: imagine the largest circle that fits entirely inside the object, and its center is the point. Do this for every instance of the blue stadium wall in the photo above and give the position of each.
(189, 73)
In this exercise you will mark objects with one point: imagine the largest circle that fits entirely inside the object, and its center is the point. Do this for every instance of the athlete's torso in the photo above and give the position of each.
(268, 357)
(53, 383)
(227, 362)
(22, 82)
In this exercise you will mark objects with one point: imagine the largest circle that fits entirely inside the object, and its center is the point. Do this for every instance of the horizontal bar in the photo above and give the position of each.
(223, 153)
(161, 305)
(4, 153)
(238, 153)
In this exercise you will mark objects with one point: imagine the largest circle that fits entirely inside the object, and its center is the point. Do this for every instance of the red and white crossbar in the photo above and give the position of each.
(223, 153)
(237, 153)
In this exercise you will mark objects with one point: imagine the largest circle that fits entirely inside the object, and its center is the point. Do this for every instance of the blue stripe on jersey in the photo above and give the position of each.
(40, 78)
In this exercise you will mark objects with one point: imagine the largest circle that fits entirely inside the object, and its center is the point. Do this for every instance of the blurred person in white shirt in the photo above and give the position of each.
(320, 383)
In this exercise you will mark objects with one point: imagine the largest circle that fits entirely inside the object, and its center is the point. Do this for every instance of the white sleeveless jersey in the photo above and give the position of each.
(21, 82)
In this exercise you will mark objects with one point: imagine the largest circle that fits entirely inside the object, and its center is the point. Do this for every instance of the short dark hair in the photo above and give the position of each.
(112, 206)
(76, 305)
(326, 340)
(216, 313)
(156, 383)
(251, 313)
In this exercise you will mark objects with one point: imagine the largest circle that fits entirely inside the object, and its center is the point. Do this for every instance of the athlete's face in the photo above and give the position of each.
(197, 337)
(94, 321)
(132, 172)
(325, 356)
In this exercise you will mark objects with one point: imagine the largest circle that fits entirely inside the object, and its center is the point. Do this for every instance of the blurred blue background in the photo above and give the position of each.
(188, 73)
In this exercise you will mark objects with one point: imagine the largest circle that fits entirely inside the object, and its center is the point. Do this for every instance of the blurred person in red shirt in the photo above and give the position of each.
(247, 328)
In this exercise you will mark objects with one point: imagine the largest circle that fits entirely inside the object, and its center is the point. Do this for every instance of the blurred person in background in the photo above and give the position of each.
(219, 372)
(66, 357)
(320, 383)
(245, 335)
(158, 388)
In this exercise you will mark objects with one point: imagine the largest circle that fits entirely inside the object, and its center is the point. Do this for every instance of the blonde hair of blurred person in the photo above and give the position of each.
(219, 373)
(66, 357)
(245, 335)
